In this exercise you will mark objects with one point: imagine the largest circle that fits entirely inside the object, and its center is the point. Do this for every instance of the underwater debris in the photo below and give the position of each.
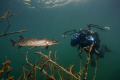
(50, 69)
(88, 58)
(6, 65)
(3, 34)
(41, 69)
(79, 74)
(89, 48)
(6, 16)
(23, 72)
(56, 64)
(53, 66)
(71, 68)
(95, 67)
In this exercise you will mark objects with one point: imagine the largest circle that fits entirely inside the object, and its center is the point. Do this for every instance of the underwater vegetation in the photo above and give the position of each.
(50, 69)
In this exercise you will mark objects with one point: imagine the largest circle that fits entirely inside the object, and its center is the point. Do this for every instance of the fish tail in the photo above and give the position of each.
(13, 42)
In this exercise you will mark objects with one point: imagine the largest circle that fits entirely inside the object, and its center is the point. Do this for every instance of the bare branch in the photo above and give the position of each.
(4, 34)
(57, 65)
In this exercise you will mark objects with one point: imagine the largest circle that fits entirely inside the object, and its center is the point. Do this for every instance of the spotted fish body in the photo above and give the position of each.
(44, 42)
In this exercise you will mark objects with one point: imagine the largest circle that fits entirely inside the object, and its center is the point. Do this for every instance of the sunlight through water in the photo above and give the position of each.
(50, 3)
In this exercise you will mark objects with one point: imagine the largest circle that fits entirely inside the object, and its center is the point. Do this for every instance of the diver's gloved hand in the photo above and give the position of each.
(63, 36)
(106, 28)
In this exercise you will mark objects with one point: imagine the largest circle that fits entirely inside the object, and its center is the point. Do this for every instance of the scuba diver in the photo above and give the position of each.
(84, 38)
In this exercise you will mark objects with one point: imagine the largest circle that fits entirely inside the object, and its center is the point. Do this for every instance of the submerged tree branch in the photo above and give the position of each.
(56, 64)
(4, 34)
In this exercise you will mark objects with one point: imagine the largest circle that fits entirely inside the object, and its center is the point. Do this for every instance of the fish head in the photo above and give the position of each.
(53, 42)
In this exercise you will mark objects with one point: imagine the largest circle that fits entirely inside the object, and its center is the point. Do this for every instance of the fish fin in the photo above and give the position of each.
(20, 47)
(31, 47)
(21, 37)
(43, 46)
(13, 42)
(46, 47)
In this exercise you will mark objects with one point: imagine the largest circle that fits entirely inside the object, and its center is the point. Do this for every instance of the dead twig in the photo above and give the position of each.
(95, 67)
(6, 16)
(88, 48)
(34, 72)
(4, 34)
(47, 57)
(6, 65)
(42, 70)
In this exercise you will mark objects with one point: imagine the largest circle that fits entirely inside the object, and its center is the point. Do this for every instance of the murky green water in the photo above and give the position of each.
(49, 19)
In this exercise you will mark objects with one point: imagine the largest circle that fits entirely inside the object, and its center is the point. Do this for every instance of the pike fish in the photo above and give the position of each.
(31, 42)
